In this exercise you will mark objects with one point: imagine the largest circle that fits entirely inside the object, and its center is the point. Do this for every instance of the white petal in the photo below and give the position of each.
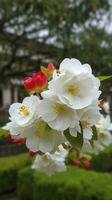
(32, 143)
(87, 68)
(14, 108)
(60, 123)
(13, 128)
(47, 144)
(31, 101)
(70, 65)
(87, 148)
(87, 133)
(73, 132)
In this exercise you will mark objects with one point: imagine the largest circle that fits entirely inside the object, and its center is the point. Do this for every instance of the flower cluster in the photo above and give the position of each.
(62, 111)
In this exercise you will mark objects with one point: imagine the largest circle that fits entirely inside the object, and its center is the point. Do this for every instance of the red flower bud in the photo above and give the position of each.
(50, 68)
(18, 140)
(86, 164)
(39, 79)
(29, 83)
(75, 162)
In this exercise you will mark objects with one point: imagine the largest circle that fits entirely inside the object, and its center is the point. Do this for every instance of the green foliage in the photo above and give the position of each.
(103, 161)
(74, 184)
(102, 78)
(3, 132)
(76, 142)
(9, 167)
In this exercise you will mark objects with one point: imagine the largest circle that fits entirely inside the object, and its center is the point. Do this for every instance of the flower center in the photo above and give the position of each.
(102, 136)
(44, 157)
(59, 108)
(84, 124)
(73, 89)
(40, 129)
(24, 111)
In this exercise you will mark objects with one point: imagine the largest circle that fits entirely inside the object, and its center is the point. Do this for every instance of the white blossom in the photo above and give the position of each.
(104, 124)
(87, 118)
(106, 107)
(58, 116)
(104, 127)
(75, 88)
(39, 137)
(51, 163)
(24, 113)
(104, 137)
(74, 66)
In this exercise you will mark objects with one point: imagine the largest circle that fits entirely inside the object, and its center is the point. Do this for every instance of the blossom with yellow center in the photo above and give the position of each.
(102, 136)
(58, 116)
(40, 129)
(73, 89)
(59, 108)
(84, 124)
(24, 111)
(73, 85)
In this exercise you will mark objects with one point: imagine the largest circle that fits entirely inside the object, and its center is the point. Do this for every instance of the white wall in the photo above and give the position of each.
(6, 96)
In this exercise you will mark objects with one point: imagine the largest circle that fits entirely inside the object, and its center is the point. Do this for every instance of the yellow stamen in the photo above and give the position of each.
(44, 157)
(73, 89)
(84, 124)
(102, 135)
(41, 129)
(59, 108)
(24, 110)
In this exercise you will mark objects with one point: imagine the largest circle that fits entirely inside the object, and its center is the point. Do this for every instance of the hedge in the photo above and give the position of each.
(74, 184)
(103, 161)
(9, 167)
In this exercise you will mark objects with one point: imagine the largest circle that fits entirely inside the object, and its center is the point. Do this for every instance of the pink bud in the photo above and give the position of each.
(40, 79)
(86, 164)
(75, 162)
(28, 83)
(51, 68)
(18, 140)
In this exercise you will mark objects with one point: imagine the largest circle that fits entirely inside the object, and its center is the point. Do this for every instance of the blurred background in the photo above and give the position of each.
(33, 33)
(36, 32)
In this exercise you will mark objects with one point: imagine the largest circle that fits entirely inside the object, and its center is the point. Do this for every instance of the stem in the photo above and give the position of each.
(77, 153)
(39, 95)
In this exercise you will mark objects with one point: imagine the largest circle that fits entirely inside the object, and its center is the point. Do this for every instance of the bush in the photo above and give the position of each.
(9, 167)
(103, 161)
(74, 184)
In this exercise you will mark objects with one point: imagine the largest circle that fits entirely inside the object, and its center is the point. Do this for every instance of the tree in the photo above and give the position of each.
(72, 28)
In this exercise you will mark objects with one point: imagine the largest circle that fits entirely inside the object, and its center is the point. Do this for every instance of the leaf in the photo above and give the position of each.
(102, 78)
(95, 135)
(3, 132)
(76, 142)
(44, 69)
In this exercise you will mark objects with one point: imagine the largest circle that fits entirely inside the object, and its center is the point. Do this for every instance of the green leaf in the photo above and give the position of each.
(76, 142)
(3, 132)
(44, 69)
(102, 78)
(95, 135)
